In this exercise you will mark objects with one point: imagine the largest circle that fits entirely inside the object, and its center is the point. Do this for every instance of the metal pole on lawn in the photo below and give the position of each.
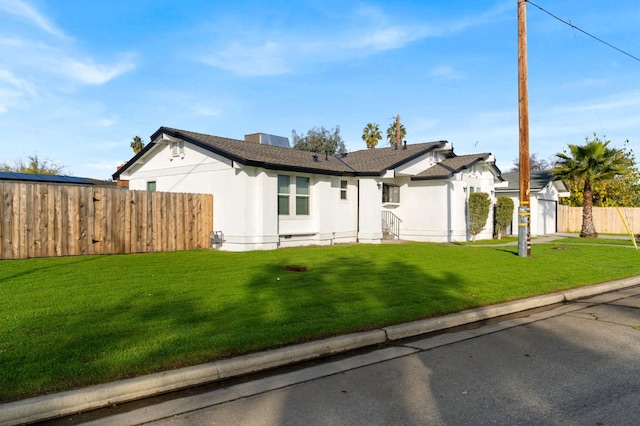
(524, 218)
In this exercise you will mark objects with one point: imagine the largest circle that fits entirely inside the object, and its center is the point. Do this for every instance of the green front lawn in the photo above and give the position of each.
(76, 321)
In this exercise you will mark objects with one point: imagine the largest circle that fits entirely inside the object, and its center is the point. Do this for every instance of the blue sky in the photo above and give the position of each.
(79, 79)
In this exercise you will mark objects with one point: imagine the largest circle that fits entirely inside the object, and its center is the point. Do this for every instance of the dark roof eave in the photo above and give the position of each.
(438, 177)
(298, 169)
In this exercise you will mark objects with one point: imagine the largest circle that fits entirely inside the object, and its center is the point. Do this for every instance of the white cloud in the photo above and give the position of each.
(386, 39)
(12, 88)
(107, 122)
(264, 59)
(446, 71)
(368, 30)
(23, 10)
(205, 111)
(88, 72)
(7, 78)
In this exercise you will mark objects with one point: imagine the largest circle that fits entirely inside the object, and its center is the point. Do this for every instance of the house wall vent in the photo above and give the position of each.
(267, 139)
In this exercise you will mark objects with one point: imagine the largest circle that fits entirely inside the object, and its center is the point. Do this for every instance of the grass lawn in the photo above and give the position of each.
(76, 321)
(596, 241)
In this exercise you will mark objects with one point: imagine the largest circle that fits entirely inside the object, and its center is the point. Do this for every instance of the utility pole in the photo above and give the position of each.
(524, 210)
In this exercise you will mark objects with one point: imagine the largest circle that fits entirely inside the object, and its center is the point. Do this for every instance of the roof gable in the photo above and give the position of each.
(449, 166)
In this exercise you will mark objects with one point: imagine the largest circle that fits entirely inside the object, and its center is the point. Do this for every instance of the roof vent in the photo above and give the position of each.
(315, 157)
(266, 139)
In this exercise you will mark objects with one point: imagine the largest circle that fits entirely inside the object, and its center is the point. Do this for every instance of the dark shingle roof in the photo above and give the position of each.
(537, 180)
(446, 168)
(375, 161)
(364, 162)
(255, 154)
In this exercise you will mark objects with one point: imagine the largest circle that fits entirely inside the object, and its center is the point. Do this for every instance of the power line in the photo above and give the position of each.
(583, 31)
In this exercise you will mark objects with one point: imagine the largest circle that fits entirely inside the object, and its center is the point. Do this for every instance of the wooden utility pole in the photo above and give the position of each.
(524, 210)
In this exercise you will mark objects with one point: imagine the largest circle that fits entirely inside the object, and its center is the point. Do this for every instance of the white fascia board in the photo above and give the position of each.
(447, 147)
(167, 139)
(389, 174)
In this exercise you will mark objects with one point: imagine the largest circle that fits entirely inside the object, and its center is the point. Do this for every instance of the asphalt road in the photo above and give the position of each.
(575, 364)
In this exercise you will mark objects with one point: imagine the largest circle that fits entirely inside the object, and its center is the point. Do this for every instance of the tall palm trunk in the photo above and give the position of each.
(588, 228)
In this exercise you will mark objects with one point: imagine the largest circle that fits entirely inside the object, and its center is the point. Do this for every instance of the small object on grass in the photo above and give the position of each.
(296, 268)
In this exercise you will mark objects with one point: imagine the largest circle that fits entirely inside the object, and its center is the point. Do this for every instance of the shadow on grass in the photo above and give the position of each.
(154, 327)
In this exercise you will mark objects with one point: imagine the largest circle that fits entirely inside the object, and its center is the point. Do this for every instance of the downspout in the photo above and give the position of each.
(449, 192)
(358, 213)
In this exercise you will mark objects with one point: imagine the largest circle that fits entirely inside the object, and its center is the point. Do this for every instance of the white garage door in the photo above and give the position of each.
(547, 210)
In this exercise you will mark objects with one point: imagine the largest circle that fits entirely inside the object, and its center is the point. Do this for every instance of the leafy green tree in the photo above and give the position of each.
(396, 133)
(503, 215)
(479, 206)
(371, 135)
(621, 191)
(590, 164)
(33, 165)
(137, 144)
(320, 140)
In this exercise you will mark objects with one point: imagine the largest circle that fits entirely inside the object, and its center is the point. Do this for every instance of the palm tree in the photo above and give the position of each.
(136, 144)
(396, 132)
(590, 163)
(371, 135)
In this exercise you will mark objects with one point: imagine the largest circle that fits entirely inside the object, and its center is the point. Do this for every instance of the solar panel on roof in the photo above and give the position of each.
(33, 177)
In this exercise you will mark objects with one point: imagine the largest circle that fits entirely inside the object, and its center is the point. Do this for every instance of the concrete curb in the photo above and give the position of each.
(90, 398)
(411, 329)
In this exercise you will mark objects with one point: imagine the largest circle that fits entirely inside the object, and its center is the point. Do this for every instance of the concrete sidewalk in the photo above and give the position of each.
(94, 397)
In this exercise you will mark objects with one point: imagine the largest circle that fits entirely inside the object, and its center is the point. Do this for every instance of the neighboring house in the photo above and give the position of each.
(269, 196)
(544, 192)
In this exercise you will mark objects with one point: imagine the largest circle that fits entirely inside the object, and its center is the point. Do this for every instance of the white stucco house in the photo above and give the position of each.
(544, 193)
(268, 196)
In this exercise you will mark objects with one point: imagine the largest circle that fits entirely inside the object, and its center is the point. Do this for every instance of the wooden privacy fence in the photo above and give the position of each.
(39, 220)
(606, 219)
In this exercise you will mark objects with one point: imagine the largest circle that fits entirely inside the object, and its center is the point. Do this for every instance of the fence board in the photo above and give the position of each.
(39, 220)
(39, 236)
(606, 220)
(9, 226)
(2, 224)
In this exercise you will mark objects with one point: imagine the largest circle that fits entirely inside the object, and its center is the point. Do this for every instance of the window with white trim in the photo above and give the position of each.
(390, 193)
(302, 195)
(294, 195)
(343, 190)
(284, 183)
(151, 186)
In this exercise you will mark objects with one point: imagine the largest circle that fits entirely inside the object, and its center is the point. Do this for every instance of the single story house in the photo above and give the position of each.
(268, 196)
(544, 192)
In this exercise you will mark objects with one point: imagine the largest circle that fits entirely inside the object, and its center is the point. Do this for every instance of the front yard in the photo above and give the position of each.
(76, 321)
